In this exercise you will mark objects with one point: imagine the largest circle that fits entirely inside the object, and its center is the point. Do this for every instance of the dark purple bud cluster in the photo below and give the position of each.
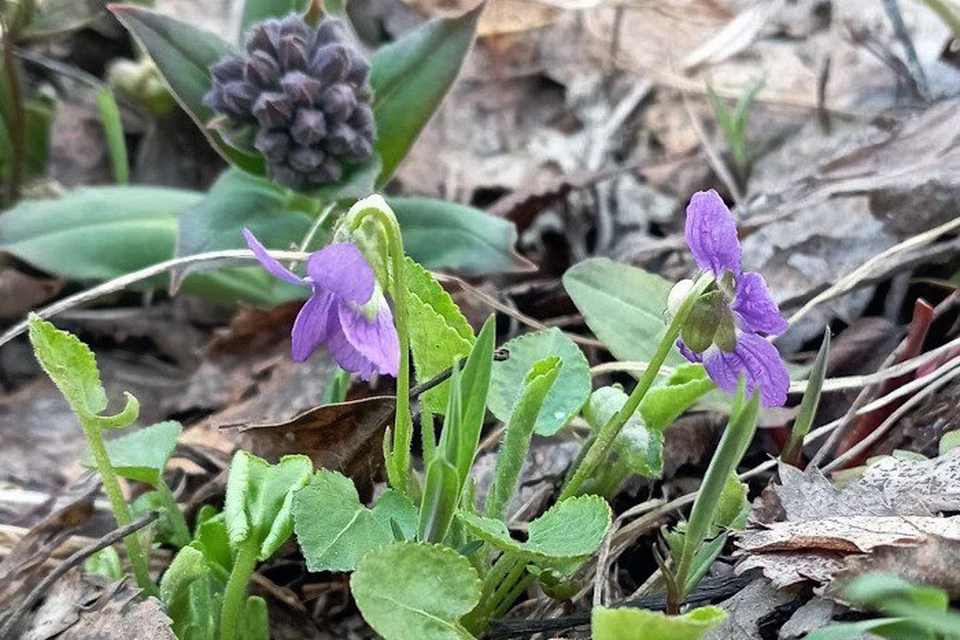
(305, 91)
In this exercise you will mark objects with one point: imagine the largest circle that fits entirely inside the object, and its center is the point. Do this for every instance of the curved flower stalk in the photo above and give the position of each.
(728, 325)
(347, 311)
(719, 320)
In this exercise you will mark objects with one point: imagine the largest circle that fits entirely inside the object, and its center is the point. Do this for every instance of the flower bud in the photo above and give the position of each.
(677, 295)
(305, 93)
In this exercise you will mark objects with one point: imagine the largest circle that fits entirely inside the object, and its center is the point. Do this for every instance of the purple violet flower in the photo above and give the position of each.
(739, 313)
(346, 312)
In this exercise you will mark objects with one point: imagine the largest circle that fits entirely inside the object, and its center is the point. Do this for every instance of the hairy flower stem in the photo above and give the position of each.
(600, 448)
(733, 445)
(236, 588)
(121, 513)
(499, 580)
(398, 462)
(504, 607)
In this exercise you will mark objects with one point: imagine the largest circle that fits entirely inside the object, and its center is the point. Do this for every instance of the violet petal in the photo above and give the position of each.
(375, 340)
(342, 270)
(711, 234)
(346, 354)
(755, 306)
(756, 359)
(312, 325)
(273, 267)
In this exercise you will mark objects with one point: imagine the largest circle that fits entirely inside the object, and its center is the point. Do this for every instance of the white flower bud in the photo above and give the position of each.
(677, 295)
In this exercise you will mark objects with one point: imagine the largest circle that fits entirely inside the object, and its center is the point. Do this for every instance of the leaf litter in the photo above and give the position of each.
(525, 130)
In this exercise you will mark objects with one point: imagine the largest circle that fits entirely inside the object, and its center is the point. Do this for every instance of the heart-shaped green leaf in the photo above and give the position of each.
(143, 454)
(333, 528)
(628, 623)
(624, 306)
(410, 77)
(259, 503)
(439, 334)
(565, 398)
(412, 590)
(184, 54)
(569, 530)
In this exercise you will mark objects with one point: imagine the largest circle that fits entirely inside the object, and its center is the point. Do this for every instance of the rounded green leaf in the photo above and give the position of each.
(333, 528)
(568, 393)
(624, 306)
(411, 590)
(410, 77)
(143, 454)
(628, 623)
(570, 530)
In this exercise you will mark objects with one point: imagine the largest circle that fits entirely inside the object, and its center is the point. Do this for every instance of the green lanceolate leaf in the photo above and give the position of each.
(143, 454)
(259, 503)
(517, 439)
(238, 200)
(410, 77)
(628, 623)
(412, 590)
(809, 404)
(624, 306)
(333, 528)
(441, 493)
(105, 232)
(184, 55)
(639, 447)
(70, 364)
(565, 398)
(665, 403)
(255, 11)
(439, 334)
(439, 233)
(570, 530)
(474, 387)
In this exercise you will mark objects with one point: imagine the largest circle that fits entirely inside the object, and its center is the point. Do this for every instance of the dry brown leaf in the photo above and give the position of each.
(932, 563)
(346, 436)
(807, 529)
(848, 534)
(82, 606)
(21, 568)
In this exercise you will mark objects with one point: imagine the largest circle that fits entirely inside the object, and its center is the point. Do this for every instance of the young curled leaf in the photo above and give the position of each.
(259, 503)
(539, 380)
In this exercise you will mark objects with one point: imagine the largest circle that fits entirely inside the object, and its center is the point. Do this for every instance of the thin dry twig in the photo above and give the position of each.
(875, 264)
